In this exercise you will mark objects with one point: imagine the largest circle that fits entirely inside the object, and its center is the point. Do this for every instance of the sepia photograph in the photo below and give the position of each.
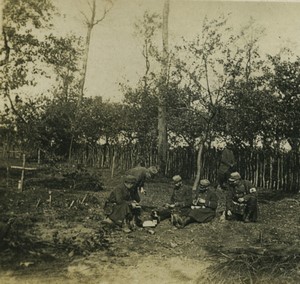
(149, 141)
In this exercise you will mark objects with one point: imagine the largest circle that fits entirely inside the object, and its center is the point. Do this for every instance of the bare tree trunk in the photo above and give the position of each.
(90, 23)
(199, 162)
(4, 48)
(70, 149)
(113, 165)
(1, 28)
(162, 120)
(4, 59)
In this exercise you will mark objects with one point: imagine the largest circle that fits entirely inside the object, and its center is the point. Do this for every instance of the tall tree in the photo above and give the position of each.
(211, 61)
(163, 90)
(147, 29)
(248, 93)
(20, 53)
(1, 34)
(142, 100)
(63, 55)
(284, 81)
(90, 22)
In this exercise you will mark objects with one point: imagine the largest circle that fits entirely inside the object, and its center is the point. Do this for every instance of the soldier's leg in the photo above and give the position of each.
(164, 214)
(251, 210)
(120, 214)
(136, 212)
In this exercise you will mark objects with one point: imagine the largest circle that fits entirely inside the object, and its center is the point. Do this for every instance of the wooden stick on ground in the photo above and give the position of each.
(71, 204)
(38, 203)
(84, 198)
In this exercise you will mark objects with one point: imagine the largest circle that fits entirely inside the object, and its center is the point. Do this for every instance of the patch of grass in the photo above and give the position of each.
(270, 266)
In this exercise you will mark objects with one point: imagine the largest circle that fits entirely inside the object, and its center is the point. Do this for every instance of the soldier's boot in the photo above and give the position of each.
(174, 219)
(247, 218)
(128, 226)
(155, 216)
(183, 221)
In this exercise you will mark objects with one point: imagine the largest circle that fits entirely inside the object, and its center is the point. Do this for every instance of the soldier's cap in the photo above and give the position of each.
(204, 183)
(234, 176)
(153, 170)
(176, 178)
(130, 179)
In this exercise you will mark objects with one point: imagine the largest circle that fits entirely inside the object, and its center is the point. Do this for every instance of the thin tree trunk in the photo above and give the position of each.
(90, 25)
(4, 47)
(113, 163)
(91, 22)
(70, 148)
(280, 167)
(1, 27)
(257, 171)
(39, 156)
(162, 117)
(271, 173)
(264, 172)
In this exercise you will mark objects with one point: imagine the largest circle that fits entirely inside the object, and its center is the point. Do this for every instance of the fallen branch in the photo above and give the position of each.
(71, 204)
(84, 198)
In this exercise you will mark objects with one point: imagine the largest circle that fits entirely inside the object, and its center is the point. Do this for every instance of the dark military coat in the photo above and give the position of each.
(205, 212)
(182, 196)
(118, 204)
(240, 190)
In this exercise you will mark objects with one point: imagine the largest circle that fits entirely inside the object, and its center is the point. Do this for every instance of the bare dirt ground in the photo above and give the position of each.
(62, 241)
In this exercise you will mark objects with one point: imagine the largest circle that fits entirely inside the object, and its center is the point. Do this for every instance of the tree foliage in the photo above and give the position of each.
(218, 86)
(284, 83)
(21, 43)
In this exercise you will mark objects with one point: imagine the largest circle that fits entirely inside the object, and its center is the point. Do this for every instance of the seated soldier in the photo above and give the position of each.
(121, 207)
(180, 202)
(204, 205)
(241, 199)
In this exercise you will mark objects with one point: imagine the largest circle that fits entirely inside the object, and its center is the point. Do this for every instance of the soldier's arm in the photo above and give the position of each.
(212, 201)
(187, 199)
(229, 197)
(250, 190)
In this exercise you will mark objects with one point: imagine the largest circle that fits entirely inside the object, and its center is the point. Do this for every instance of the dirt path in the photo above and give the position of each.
(98, 268)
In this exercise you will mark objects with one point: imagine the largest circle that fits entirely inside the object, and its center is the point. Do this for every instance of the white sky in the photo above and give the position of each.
(115, 54)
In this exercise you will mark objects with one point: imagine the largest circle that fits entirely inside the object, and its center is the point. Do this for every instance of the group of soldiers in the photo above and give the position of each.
(122, 208)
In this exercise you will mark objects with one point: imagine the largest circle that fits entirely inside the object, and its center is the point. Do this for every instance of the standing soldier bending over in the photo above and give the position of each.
(241, 199)
(141, 174)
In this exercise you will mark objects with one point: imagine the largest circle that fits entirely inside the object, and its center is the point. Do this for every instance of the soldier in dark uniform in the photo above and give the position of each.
(121, 207)
(204, 205)
(226, 167)
(180, 202)
(241, 199)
